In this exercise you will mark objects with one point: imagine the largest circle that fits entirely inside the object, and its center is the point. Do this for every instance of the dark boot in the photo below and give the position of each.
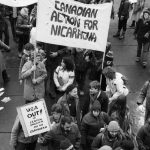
(117, 34)
(133, 24)
(5, 76)
(122, 36)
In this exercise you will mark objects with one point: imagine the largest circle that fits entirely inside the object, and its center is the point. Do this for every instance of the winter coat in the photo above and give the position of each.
(17, 134)
(67, 105)
(141, 29)
(33, 91)
(22, 25)
(91, 126)
(143, 137)
(56, 135)
(103, 139)
(124, 9)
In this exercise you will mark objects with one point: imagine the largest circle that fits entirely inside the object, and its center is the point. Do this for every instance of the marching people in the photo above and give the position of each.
(64, 75)
(144, 96)
(112, 136)
(123, 15)
(66, 129)
(71, 104)
(95, 93)
(23, 27)
(142, 33)
(34, 73)
(91, 124)
(143, 136)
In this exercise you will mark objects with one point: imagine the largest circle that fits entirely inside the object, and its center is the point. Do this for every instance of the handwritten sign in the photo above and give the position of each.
(74, 24)
(34, 118)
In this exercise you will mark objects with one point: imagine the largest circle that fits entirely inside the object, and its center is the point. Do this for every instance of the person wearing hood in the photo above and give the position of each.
(23, 27)
(112, 136)
(142, 34)
(91, 125)
(143, 136)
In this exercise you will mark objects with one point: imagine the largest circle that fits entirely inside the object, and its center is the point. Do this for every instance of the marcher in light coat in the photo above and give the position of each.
(34, 87)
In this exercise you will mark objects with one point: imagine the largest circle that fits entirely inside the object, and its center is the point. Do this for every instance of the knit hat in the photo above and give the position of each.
(66, 145)
(96, 106)
(113, 126)
(29, 47)
(105, 147)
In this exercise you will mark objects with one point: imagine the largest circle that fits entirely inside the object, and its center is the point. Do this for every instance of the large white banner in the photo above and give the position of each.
(73, 24)
(18, 3)
(34, 118)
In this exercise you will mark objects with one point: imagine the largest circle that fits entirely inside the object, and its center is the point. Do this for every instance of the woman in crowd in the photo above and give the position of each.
(142, 33)
(64, 75)
(71, 104)
(23, 27)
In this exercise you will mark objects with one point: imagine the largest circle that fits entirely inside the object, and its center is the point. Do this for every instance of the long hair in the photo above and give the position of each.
(68, 63)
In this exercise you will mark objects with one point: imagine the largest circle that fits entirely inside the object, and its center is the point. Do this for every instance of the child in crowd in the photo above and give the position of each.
(28, 48)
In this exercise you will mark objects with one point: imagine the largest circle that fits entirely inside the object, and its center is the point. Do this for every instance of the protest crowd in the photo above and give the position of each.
(95, 120)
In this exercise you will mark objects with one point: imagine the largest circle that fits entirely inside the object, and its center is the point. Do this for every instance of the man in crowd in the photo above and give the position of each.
(66, 129)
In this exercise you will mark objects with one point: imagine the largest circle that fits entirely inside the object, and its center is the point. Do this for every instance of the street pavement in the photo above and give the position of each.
(124, 62)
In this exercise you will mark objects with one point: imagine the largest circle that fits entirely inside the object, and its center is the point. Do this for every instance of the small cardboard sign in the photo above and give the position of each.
(34, 118)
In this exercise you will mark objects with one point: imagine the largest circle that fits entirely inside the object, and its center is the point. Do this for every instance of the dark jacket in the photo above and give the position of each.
(143, 137)
(67, 105)
(56, 135)
(103, 139)
(91, 126)
(102, 98)
(124, 9)
(141, 29)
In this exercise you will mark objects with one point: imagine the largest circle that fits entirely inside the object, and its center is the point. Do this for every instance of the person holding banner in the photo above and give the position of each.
(18, 140)
(34, 73)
